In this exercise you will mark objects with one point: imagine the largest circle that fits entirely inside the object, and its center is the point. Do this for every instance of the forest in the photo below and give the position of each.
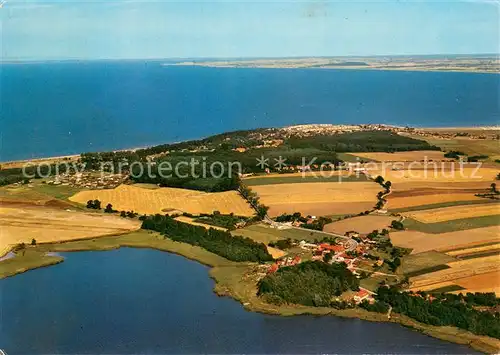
(442, 309)
(310, 283)
(219, 242)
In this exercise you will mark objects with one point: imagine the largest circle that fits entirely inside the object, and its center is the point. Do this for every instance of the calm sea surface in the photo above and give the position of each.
(147, 301)
(67, 108)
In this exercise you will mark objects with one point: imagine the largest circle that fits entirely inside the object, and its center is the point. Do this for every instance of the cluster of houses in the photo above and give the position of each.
(89, 180)
(341, 253)
(286, 261)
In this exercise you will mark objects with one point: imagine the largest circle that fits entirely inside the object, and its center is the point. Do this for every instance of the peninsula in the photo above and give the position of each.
(382, 223)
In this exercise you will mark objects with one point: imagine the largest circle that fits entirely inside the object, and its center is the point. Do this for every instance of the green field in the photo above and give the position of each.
(265, 234)
(427, 270)
(421, 261)
(442, 204)
(453, 225)
(287, 179)
(61, 192)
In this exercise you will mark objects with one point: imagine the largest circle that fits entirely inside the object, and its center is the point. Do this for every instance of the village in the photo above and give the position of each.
(368, 257)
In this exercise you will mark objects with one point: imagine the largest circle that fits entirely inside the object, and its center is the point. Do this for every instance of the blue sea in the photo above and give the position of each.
(50, 109)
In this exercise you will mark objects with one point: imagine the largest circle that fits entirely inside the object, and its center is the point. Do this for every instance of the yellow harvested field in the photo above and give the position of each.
(161, 200)
(475, 261)
(473, 249)
(275, 252)
(21, 225)
(412, 201)
(437, 215)
(434, 173)
(487, 282)
(458, 270)
(405, 156)
(420, 242)
(361, 224)
(319, 198)
(459, 186)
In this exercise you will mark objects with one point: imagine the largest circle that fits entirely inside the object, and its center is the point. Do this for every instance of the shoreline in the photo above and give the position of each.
(229, 282)
(71, 157)
(409, 69)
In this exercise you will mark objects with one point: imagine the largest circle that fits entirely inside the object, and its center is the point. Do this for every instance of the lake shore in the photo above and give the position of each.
(231, 279)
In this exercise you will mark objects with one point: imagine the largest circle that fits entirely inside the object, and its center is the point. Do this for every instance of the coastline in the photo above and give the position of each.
(230, 281)
(17, 163)
(361, 68)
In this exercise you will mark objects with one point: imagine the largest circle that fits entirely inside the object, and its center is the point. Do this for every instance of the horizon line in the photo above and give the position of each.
(477, 55)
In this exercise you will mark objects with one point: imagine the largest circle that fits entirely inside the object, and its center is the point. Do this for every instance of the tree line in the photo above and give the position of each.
(235, 248)
(442, 309)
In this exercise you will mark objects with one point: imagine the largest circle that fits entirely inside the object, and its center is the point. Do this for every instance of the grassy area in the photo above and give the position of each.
(294, 179)
(61, 192)
(423, 261)
(373, 282)
(265, 234)
(445, 289)
(453, 225)
(442, 204)
(427, 270)
(26, 260)
(416, 262)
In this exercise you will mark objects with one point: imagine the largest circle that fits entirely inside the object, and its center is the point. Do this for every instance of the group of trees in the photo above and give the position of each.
(397, 225)
(282, 244)
(315, 224)
(254, 200)
(219, 242)
(442, 309)
(310, 283)
(454, 154)
(94, 204)
(318, 223)
(297, 216)
(228, 221)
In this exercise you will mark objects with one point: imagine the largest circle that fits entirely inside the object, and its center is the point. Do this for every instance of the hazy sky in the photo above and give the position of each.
(89, 29)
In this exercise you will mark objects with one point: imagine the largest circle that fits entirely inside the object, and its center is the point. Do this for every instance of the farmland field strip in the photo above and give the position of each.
(474, 249)
(456, 212)
(432, 206)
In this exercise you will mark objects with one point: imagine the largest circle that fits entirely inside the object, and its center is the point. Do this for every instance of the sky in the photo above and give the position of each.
(135, 29)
